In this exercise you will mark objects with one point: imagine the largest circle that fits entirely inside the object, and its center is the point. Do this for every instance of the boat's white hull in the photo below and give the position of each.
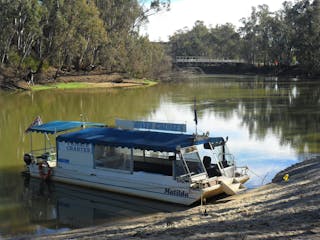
(140, 184)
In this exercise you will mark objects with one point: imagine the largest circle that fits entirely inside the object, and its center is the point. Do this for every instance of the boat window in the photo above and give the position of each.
(153, 162)
(163, 155)
(180, 168)
(206, 146)
(228, 156)
(218, 151)
(193, 162)
(112, 157)
(223, 155)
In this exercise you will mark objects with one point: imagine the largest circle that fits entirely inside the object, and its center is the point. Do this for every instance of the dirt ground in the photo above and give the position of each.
(280, 210)
(95, 79)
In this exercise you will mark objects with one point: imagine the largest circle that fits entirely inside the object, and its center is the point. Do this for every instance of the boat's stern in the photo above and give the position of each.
(40, 165)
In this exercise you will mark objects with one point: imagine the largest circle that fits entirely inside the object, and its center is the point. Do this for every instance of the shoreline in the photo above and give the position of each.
(92, 85)
(279, 210)
(78, 81)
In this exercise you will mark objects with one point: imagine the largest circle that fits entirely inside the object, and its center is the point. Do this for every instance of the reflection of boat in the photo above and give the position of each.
(57, 206)
(172, 167)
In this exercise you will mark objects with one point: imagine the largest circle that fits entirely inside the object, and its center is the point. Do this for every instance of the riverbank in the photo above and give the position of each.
(279, 210)
(91, 81)
(74, 80)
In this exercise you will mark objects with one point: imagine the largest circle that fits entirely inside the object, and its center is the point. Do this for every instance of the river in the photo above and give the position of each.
(271, 124)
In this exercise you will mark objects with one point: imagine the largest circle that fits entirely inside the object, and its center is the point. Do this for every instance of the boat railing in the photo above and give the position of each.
(243, 170)
(228, 158)
(48, 154)
(183, 178)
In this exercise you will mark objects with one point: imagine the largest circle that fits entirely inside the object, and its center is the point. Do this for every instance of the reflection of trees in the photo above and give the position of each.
(19, 110)
(12, 213)
(288, 109)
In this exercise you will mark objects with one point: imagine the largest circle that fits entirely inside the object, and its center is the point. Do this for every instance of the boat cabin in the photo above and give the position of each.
(182, 156)
(154, 163)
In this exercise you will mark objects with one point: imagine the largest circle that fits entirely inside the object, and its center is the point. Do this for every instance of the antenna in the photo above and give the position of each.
(195, 115)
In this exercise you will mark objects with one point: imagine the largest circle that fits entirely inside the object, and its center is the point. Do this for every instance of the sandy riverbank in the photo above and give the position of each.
(280, 210)
(94, 79)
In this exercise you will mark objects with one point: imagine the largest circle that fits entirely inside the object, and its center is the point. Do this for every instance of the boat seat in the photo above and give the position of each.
(212, 169)
(207, 162)
(225, 163)
(153, 168)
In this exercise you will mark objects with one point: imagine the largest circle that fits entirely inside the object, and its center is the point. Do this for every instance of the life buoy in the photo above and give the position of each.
(44, 170)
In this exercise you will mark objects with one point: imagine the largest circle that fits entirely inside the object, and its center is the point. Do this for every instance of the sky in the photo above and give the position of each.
(184, 13)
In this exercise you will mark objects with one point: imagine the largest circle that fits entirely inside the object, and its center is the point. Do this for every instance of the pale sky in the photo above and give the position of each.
(184, 13)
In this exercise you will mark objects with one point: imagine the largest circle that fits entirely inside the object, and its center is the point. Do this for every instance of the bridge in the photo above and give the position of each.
(198, 60)
(210, 65)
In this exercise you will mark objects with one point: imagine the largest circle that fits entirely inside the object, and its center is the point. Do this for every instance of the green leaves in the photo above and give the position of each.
(77, 34)
(221, 42)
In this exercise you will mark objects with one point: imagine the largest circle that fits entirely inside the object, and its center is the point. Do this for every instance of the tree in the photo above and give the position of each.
(72, 33)
(125, 50)
(149, 8)
(7, 12)
(19, 22)
(224, 42)
(86, 33)
(191, 43)
(304, 20)
(221, 42)
(249, 36)
(77, 34)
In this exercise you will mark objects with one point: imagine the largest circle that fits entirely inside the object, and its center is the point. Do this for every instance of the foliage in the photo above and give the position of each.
(219, 42)
(78, 35)
(288, 36)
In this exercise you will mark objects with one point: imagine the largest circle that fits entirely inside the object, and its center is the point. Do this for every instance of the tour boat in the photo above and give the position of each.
(145, 159)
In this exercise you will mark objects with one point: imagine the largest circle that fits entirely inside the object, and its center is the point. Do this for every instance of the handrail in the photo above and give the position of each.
(244, 170)
(217, 160)
(44, 150)
(206, 59)
(232, 161)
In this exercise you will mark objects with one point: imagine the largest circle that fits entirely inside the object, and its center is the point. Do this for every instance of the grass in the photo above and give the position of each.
(60, 86)
(79, 85)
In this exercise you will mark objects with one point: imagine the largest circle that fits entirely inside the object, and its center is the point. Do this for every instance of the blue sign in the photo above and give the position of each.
(62, 160)
(174, 127)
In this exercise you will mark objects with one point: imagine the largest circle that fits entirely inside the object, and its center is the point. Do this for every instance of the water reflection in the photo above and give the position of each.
(270, 124)
(53, 206)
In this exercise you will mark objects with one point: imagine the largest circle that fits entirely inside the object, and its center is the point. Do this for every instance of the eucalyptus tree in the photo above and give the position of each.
(79, 33)
(19, 21)
(264, 33)
(194, 42)
(150, 8)
(267, 37)
(303, 18)
(221, 42)
(199, 40)
(249, 34)
(180, 43)
(72, 33)
(85, 33)
(122, 21)
(7, 12)
(281, 44)
(224, 42)
(118, 18)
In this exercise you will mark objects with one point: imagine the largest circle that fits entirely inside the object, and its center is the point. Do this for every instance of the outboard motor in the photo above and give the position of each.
(27, 158)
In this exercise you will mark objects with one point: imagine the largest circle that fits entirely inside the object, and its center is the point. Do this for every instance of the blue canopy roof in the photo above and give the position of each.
(146, 140)
(59, 126)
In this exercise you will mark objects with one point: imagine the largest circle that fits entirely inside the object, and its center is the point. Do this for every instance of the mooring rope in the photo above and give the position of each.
(262, 178)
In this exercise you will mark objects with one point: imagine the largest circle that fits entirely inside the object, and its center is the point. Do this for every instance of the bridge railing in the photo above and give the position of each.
(203, 59)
